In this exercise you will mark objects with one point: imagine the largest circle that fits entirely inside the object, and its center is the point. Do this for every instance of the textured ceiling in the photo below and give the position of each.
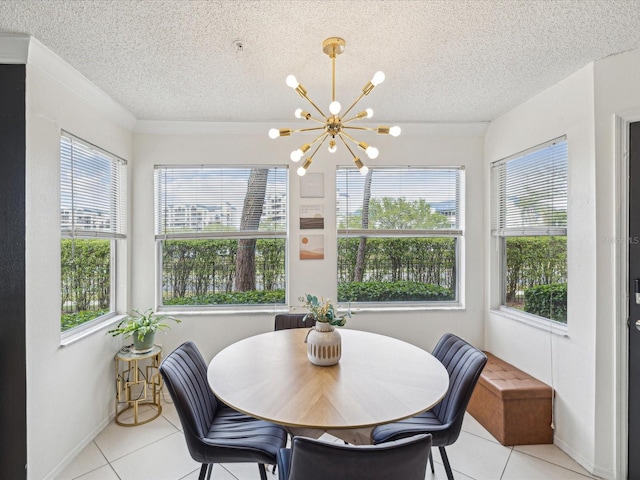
(445, 61)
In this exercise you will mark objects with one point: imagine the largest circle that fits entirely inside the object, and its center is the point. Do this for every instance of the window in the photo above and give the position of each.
(399, 231)
(530, 222)
(92, 220)
(221, 233)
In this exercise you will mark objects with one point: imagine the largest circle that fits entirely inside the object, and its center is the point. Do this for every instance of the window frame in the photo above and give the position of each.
(458, 234)
(500, 233)
(220, 235)
(117, 237)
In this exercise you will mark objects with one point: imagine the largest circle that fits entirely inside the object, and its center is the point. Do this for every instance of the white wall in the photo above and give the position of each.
(70, 390)
(567, 363)
(616, 94)
(184, 143)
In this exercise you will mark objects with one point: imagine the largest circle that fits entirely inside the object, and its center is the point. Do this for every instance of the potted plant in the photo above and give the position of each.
(324, 343)
(142, 326)
(323, 311)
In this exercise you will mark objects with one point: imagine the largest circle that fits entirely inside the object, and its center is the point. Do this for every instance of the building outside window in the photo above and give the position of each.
(529, 221)
(221, 234)
(92, 223)
(399, 234)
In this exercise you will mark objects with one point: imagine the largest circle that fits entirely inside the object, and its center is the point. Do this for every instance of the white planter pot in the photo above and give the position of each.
(324, 345)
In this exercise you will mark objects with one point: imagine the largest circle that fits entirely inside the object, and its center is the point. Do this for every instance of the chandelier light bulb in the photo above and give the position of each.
(302, 171)
(298, 113)
(274, 133)
(332, 146)
(377, 79)
(394, 131)
(364, 170)
(292, 82)
(334, 107)
(296, 155)
(372, 152)
(369, 112)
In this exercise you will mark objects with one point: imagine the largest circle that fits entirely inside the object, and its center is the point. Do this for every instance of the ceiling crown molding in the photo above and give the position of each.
(25, 49)
(474, 129)
(14, 48)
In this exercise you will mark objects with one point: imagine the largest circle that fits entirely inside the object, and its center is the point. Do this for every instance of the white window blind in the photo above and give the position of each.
(421, 201)
(93, 190)
(202, 201)
(530, 192)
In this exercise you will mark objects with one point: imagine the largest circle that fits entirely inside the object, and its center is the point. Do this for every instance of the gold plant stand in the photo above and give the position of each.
(138, 384)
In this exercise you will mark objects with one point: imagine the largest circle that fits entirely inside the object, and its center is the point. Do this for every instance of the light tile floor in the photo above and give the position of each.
(157, 451)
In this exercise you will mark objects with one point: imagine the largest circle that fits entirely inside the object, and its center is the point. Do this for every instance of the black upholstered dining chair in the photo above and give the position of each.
(310, 459)
(464, 363)
(285, 321)
(214, 432)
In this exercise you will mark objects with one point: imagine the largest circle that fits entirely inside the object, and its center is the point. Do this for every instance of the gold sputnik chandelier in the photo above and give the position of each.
(336, 125)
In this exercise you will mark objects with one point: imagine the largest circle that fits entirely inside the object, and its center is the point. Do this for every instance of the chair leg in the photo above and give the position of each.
(445, 460)
(433, 470)
(203, 471)
(263, 471)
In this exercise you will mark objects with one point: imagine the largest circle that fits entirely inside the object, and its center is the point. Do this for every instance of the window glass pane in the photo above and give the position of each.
(532, 192)
(203, 272)
(222, 232)
(86, 280)
(397, 269)
(400, 199)
(199, 200)
(529, 215)
(92, 196)
(398, 231)
(92, 216)
(536, 276)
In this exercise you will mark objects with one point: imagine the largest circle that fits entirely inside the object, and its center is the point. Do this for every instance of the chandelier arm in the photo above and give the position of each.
(319, 145)
(346, 145)
(350, 120)
(350, 127)
(317, 120)
(353, 105)
(310, 129)
(315, 106)
(323, 134)
(349, 137)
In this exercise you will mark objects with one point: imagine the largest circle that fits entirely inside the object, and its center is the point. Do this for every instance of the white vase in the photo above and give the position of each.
(324, 344)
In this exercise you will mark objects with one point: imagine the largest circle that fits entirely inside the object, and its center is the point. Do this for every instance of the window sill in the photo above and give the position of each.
(534, 321)
(223, 310)
(68, 338)
(416, 307)
(342, 307)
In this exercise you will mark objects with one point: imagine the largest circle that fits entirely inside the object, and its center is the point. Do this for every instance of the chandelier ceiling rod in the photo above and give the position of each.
(334, 126)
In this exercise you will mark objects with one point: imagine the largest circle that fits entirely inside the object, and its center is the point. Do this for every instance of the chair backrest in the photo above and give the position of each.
(464, 363)
(317, 460)
(185, 375)
(285, 321)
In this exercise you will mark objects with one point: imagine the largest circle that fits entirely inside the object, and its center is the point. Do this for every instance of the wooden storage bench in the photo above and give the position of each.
(512, 405)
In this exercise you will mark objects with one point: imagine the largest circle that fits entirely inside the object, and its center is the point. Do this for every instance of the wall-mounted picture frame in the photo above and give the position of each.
(312, 185)
(311, 217)
(311, 247)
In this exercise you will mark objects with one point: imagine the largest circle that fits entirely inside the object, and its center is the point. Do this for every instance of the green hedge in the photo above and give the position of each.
(549, 301)
(231, 298)
(70, 320)
(392, 292)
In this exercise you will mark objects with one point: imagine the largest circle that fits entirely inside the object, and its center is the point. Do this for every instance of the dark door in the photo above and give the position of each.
(634, 301)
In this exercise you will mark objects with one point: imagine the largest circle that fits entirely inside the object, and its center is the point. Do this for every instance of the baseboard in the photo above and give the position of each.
(587, 465)
(66, 461)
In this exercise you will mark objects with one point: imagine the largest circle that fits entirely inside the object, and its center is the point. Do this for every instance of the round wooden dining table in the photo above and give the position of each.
(378, 380)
